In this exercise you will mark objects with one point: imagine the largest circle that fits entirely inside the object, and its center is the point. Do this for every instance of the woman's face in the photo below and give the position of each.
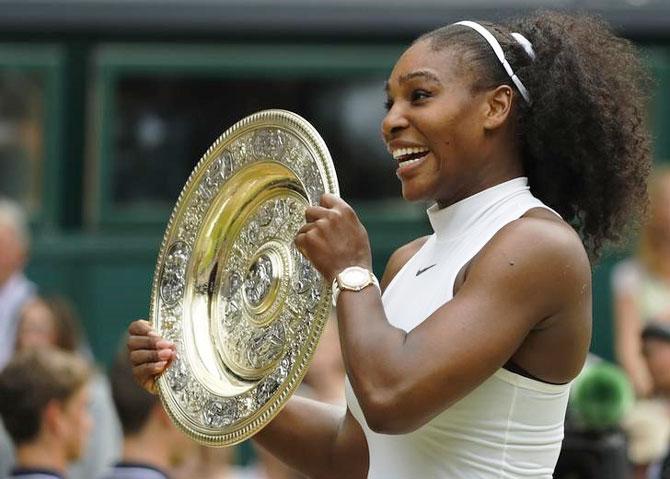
(434, 125)
(37, 327)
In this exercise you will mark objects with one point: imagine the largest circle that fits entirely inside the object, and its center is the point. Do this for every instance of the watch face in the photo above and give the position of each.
(354, 277)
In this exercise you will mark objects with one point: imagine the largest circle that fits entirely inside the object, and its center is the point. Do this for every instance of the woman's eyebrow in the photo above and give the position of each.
(425, 74)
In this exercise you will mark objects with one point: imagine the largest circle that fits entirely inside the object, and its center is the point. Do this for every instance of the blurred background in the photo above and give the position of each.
(107, 105)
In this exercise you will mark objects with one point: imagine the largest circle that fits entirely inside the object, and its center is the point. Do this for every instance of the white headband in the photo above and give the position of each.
(497, 49)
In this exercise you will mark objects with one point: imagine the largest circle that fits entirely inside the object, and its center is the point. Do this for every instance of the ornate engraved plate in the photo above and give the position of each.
(243, 306)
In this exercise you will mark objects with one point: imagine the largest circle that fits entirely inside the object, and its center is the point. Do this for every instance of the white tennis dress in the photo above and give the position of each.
(508, 427)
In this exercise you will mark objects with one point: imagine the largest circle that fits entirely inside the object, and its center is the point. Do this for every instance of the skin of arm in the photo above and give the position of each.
(628, 342)
(317, 439)
(402, 380)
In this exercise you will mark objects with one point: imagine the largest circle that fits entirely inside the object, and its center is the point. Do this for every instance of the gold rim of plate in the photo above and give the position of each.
(243, 306)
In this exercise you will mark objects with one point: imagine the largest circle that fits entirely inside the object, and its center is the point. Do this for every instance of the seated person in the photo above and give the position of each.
(648, 424)
(151, 443)
(43, 404)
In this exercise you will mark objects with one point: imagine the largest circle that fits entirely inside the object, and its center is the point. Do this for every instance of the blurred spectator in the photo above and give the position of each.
(656, 349)
(52, 322)
(46, 322)
(648, 425)
(43, 403)
(15, 289)
(642, 286)
(151, 442)
(594, 445)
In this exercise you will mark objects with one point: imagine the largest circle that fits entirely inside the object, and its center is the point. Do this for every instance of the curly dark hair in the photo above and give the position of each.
(585, 145)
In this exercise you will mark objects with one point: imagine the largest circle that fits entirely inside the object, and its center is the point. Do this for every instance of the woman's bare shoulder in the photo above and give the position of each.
(400, 257)
(541, 250)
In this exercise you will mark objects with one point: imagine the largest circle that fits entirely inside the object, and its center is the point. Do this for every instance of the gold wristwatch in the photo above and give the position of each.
(353, 278)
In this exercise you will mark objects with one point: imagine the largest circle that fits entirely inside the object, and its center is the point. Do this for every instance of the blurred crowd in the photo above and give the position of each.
(63, 416)
(641, 286)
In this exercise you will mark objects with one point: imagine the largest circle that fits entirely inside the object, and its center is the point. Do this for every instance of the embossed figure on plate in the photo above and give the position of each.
(258, 281)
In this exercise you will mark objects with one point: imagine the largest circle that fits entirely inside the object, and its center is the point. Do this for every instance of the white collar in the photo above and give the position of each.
(454, 220)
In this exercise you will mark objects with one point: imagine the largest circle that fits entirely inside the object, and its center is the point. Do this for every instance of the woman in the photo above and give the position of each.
(642, 286)
(48, 322)
(462, 369)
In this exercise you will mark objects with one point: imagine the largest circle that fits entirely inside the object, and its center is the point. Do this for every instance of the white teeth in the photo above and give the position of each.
(409, 162)
(400, 152)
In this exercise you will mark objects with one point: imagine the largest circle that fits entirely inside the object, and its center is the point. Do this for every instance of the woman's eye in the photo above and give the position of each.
(388, 104)
(418, 95)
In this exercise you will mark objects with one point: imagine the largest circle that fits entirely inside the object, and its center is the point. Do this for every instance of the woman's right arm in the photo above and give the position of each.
(317, 439)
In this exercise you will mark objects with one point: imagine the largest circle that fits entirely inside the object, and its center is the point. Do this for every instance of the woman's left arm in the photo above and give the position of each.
(531, 270)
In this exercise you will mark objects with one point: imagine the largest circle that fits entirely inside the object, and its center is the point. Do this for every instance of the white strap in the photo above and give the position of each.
(497, 49)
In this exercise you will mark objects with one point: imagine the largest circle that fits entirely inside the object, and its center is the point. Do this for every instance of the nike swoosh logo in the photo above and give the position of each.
(423, 270)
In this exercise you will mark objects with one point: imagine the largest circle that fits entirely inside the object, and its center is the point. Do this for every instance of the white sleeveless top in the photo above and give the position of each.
(508, 427)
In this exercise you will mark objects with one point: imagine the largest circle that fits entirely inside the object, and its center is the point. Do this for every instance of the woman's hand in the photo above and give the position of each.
(149, 354)
(333, 237)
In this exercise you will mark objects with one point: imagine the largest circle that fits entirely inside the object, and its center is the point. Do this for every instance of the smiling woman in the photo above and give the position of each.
(529, 139)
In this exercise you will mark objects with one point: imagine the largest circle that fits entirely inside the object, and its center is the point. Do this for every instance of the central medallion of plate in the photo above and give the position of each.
(251, 329)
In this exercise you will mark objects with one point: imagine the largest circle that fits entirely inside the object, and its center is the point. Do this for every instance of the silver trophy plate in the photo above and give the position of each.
(243, 306)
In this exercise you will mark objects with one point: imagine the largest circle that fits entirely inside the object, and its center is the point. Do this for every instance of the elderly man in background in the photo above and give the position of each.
(15, 291)
(15, 288)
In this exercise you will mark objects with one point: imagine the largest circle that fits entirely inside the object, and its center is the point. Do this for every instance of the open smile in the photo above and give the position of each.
(405, 155)
(409, 157)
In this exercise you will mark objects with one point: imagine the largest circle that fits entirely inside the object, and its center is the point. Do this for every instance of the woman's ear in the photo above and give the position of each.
(499, 106)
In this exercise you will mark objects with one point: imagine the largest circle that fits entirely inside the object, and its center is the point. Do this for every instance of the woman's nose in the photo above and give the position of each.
(394, 121)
